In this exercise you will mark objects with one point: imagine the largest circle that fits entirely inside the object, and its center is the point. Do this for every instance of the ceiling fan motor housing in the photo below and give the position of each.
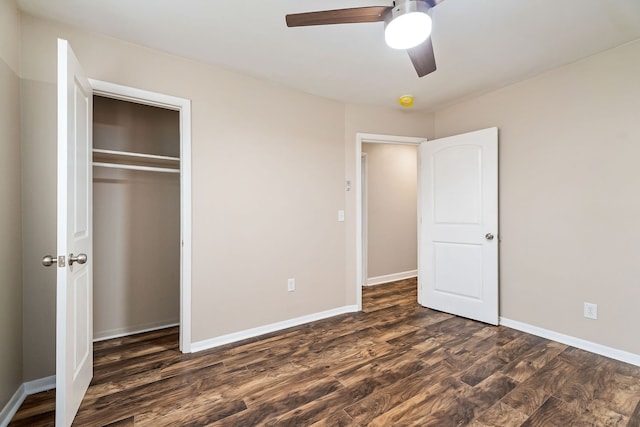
(402, 7)
(407, 24)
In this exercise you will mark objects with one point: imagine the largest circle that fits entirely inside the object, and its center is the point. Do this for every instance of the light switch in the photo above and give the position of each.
(341, 216)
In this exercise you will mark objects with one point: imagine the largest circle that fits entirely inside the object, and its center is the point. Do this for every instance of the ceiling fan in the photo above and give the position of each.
(407, 26)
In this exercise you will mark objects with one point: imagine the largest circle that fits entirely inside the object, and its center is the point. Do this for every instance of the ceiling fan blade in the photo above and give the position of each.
(338, 16)
(422, 57)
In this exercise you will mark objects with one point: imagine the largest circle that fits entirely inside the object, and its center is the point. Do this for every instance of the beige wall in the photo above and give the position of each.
(268, 172)
(569, 205)
(374, 120)
(10, 222)
(38, 134)
(136, 222)
(391, 198)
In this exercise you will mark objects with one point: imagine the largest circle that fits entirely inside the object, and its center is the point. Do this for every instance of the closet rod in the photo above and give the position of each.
(131, 154)
(136, 168)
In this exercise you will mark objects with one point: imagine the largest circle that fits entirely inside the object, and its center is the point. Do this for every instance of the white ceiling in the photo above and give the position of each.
(479, 45)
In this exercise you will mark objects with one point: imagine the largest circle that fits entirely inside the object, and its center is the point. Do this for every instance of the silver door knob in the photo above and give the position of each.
(488, 236)
(80, 259)
(49, 260)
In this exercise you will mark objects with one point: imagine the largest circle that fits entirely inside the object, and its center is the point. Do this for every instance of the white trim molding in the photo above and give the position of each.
(183, 106)
(602, 350)
(12, 406)
(41, 384)
(378, 280)
(25, 389)
(377, 139)
(140, 329)
(273, 327)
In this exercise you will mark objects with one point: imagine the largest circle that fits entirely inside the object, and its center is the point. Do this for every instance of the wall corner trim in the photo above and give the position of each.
(25, 389)
(273, 327)
(602, 350)
(378, 280)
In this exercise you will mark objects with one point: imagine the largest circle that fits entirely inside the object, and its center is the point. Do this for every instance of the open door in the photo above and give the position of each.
(74, 308)
(458, 241)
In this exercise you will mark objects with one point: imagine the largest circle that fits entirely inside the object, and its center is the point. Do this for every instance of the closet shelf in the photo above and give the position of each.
(135, 161)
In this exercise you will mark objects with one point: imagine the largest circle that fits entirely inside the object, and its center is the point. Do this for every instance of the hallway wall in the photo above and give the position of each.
(392, 208)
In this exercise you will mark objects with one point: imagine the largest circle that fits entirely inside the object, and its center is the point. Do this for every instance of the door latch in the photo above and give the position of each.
(49, 260)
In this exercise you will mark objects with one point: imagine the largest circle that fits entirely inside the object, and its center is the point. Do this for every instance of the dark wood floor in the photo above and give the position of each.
(395, 364)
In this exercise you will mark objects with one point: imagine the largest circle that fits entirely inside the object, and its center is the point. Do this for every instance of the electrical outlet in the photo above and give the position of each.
(590, 310)
(291, 285)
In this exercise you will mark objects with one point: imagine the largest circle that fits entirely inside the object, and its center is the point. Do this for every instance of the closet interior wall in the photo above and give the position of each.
(136, 217)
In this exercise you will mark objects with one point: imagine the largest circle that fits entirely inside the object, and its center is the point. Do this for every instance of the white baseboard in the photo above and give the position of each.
(603, 350)
(123, 332)
(25, 389)
(378, 280)
(41, 384)
(12, 406)
(261, 330)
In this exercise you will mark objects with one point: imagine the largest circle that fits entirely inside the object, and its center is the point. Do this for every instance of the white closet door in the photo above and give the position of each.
(74, 316)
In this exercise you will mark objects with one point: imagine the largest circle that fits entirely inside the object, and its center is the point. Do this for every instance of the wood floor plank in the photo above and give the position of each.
(127, 422)
(134, 349)
(533, 360)
(201, 410)
(285, 401)
(394, 364)
(482, 369)
(634, 420)
(598, 413)
(622, 393)
(531, 394)
(336, 419)
(134, 365)
(381, 371)
(41, 419)
(425, 407)
(553, 413)
(44, 402)
(122, 383)
(380, 402)
(263, 388)
(316, 410)
(500, 414)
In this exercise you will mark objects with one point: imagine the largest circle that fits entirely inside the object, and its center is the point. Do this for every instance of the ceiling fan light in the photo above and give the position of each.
(407, 30)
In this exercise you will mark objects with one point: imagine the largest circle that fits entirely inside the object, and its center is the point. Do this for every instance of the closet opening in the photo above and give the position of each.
(138, 223)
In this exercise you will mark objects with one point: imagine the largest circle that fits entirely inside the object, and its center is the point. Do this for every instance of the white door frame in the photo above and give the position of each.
(375, 139)
(183, 106)
(364, 185)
